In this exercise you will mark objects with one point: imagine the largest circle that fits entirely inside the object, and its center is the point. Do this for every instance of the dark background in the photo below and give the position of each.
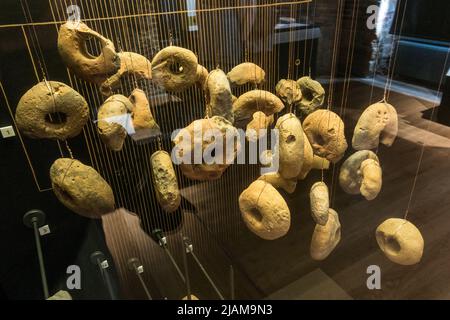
(425, 19)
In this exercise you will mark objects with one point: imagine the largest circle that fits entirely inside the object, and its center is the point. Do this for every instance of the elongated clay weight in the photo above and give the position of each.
(400, 241)
(326, 238)
(165, 181)
(258, 126)
(143, 121)
(264, 211)
(218, 93)
(112, 116)
(277, 181)
(361, 174)
(131, 64)
(325, 131)
(56, 101)
(246, 72)
(256, 100)
(81, 188)
(202, 75)
(72, 48)
(313, 95)
(201, 134)
(289, 91)
(291, 145)
(378, 123)
(175, 68)
(320, 202)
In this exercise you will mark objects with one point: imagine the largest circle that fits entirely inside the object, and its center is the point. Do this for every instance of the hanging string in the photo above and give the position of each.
(110, 165)
(68, 149)
(161, 36)
(312, 47)
(38, 52)
(306, 38)
(333, 65)
(149, 207)
(133, 43)
(346, 88)
(92, 156)
(135, 153)
(335, 53)
(392, 61)
(89, 131)
(290, 55)
(393, 58)
(34, 38)
(132, 152)
(422, 150)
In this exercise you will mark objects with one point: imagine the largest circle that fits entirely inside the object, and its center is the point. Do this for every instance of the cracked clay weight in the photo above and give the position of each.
(72, 48)
(81, 188)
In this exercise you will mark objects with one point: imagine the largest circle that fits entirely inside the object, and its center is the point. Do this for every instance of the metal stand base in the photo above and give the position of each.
(35, 219)
(133, 263)
(34, 216)
(97, 257)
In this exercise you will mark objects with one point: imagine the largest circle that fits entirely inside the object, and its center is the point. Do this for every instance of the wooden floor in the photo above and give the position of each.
(264, 267)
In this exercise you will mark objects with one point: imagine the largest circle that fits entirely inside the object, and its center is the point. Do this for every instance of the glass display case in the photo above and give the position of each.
(224, 149)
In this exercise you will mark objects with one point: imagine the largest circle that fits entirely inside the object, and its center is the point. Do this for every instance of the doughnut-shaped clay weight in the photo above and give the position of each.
(313, 95)
(264, 211)
(175, 68)
(51, 110)
(400, 241)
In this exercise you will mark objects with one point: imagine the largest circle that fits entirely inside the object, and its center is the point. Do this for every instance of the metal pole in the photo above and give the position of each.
(35, 219)
(162, 241)
(144, 286)
(107, 279)
(135, 265)
(40, 258)
(98, 258)
(232, 282)
(174, 264)
(208, 277)
(189, 248)
(186, 249)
